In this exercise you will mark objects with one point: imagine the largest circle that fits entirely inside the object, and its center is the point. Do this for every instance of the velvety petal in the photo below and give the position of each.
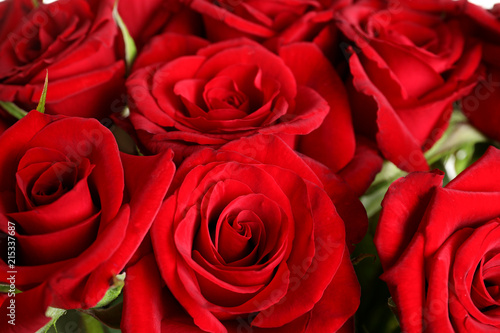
(406, 281)
(30, 276)
(69, 286)
(142, 290)
(143, 174)
(327, 258)
(10, 153)
(414, 75)
(59, 245)
(462, 213)
(439, 293)
(92, 141)
(393, 137)
(270, 149)
(246, 52)
(69, 210)
(483, 17)
(403, 208)
(483, 240)
(167, 47)
(169, 264)
(481, 105)
(480, 176)
(333, 143)
(221, 14)
(346, 202)
(33, 303)
(360, 172)
(310, 110)
(339, 302)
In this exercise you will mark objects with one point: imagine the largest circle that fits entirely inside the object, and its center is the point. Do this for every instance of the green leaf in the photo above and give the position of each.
(53, 313)
(35, 3)
(459, 134)
(91, 324)
(13, 109)
(41, 104)
(130, 48)
(110, 315)
(5, 289)
(464, 157)
(139, 153)
(373, 197)
(113, 292)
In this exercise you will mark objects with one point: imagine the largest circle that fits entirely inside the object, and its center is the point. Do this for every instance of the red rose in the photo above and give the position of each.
(186, 93)
(440, 247)
(248, 240)
(77, 208)
(272, 22)
(481, 105)
(78, 43)
(408, 66)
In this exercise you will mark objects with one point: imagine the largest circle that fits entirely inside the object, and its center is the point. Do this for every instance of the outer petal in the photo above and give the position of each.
(147, 18)
(346, 202)
(30, 311)
(406, 281)
(142, 291)
(12, 144)
(149, 175)
(403, 208)
(328, 241)
(452, 210)
(482, 176)
(333, 143)
(393, 137)
(339, 302)
(360, 172)
(439, 293)
(167, 47)
(481, 106)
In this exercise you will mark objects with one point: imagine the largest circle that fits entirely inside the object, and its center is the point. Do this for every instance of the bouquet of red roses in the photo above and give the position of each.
(249, 166)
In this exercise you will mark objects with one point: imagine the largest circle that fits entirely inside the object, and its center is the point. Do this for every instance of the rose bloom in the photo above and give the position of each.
(440, 247)
(186, 94)
(250, 238)
(77, 42)
(481, 106)
(407, 67)
(77, 208)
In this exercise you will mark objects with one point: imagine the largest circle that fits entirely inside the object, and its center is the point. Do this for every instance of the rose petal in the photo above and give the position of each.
(403, 208)
(335, 148)
(143, 289)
